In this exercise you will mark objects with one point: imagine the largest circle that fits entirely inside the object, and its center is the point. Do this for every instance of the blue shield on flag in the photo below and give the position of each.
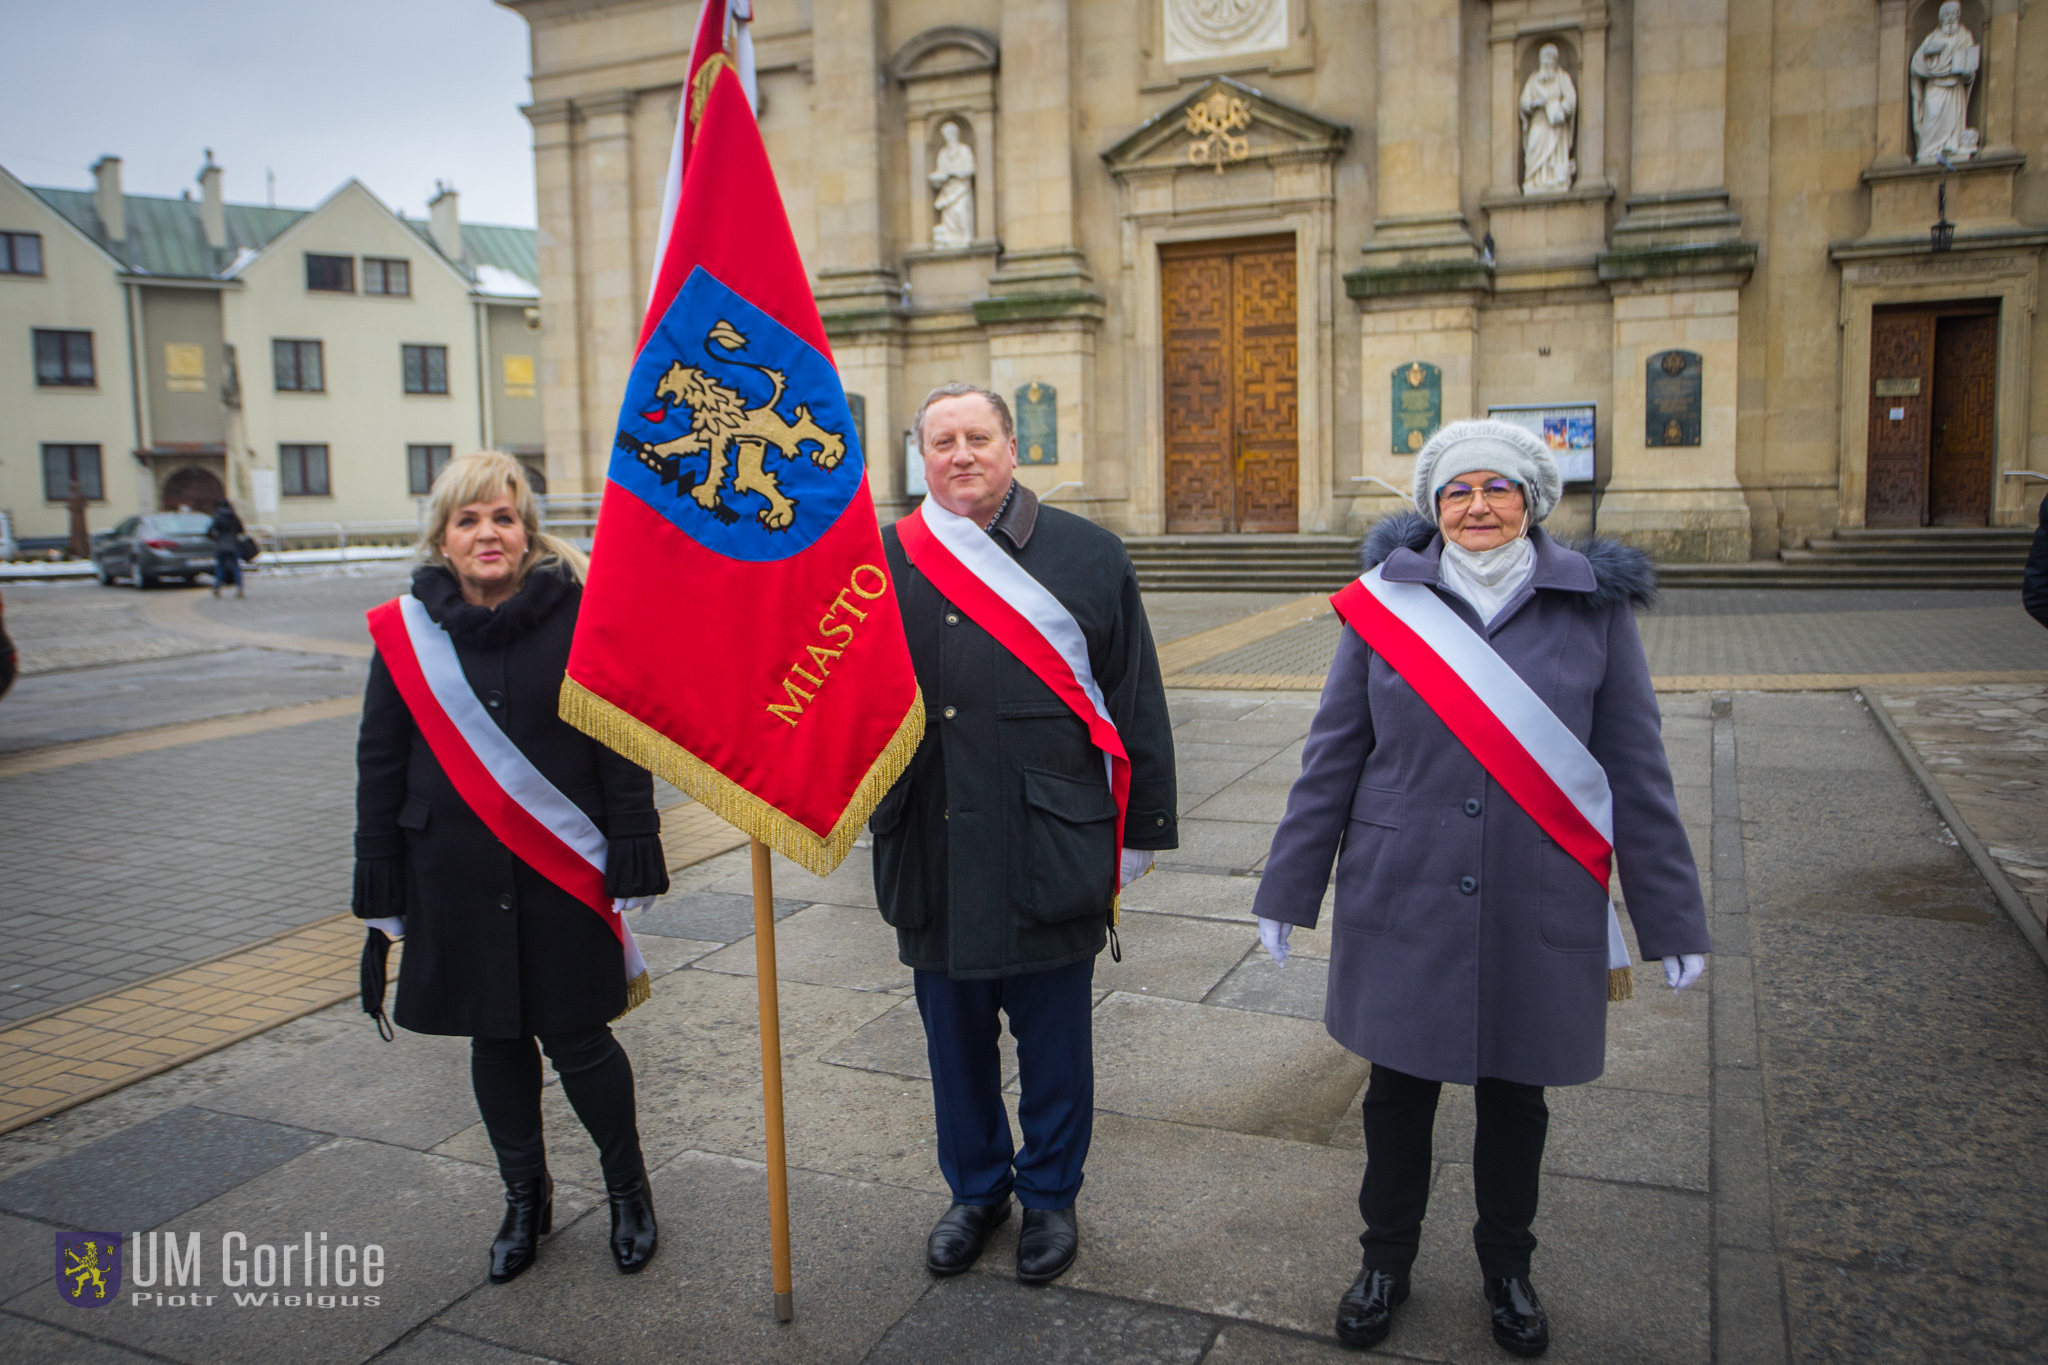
(89, 1267)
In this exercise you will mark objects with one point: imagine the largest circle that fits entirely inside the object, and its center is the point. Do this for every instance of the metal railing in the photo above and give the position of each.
(335, 535)
(572, 516)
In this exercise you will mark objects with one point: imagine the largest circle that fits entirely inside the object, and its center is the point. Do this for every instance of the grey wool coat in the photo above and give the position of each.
(1466, 943)
(995, 854)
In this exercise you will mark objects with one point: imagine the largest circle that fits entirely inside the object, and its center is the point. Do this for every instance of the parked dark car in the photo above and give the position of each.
(147, 550)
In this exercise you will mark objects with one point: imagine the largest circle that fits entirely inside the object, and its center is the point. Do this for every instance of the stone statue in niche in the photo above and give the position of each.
(1944, 70)
(952, 181)
(1549, 100)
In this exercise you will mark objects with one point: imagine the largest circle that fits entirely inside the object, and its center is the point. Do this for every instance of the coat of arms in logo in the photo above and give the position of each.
(735, 429)
(89, 1267)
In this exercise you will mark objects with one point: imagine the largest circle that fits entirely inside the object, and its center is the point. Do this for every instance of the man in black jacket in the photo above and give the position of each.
(996, 858)
(2034, 588)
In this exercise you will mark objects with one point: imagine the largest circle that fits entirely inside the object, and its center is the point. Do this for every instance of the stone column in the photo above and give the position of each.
(1043, 308)
(1894, 119)
(561, 354)
(855, 262)
(1419, 291)
(614, 294)
(1421, 238)
(1676, 270)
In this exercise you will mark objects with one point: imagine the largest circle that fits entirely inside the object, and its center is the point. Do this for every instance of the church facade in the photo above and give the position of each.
(1756, 270)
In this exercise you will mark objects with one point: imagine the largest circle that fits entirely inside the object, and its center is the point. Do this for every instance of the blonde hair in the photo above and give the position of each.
(482, 476)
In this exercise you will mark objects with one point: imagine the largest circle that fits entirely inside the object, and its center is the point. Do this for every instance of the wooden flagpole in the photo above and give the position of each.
(771, 1079)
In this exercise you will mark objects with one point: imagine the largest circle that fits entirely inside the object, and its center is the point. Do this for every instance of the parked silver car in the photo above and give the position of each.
(147, 550)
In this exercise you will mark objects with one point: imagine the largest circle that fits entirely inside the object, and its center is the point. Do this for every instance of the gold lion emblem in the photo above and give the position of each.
(85, 1270)
(735, 438)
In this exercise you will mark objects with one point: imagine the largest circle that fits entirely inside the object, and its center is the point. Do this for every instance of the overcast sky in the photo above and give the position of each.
(397, 93)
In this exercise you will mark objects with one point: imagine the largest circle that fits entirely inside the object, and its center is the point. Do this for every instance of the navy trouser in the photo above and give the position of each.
(227, 569)
(1049, 1018)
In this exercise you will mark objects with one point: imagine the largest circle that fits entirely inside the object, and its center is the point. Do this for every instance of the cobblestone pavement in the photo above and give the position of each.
(1828, 1152)
(1696, 632)
(1988, 747)
(1825, 1152)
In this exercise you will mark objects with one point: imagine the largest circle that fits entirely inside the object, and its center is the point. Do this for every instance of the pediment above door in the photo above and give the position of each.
(1224, 123)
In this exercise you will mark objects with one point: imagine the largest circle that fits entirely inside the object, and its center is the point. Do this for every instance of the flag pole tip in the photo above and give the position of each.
(785, 1307)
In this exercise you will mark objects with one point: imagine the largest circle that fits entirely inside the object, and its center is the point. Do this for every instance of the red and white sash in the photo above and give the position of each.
(527, 813)
(967, 566)
(1516, 737)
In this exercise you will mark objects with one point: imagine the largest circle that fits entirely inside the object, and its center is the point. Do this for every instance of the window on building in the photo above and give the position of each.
(424, 465)
(426, 369)
(331, 274)
(386, 277)
(21, 253)
(298, 365)
(62, 464)
(303, 471)
(63, 359)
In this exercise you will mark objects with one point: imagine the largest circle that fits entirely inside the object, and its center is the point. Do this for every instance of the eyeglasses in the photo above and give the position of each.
(1499, 493)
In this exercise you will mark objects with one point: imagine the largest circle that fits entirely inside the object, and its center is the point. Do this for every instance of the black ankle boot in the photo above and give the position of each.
(634, 1234)
(529, 1216)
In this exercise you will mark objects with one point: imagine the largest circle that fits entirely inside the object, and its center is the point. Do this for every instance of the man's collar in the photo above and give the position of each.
(1017, 517)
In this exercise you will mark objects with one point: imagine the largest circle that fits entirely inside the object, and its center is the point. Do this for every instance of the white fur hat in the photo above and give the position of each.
(1511, 451)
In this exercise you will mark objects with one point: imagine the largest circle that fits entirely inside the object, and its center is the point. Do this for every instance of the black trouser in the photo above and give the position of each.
(1507, 1156)
(597, 1078)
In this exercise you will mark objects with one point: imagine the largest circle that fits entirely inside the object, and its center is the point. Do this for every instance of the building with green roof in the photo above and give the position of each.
(317, 365)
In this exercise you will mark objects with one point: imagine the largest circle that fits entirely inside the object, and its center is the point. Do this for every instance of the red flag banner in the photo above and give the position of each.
(738, 634)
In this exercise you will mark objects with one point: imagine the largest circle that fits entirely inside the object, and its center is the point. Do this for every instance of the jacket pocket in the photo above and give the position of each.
(1368, 881)
(414, 813)
(1378, 806)
(1069, 846)
(888, 812)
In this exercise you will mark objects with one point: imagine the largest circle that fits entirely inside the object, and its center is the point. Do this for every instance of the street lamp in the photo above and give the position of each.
(1942, 234)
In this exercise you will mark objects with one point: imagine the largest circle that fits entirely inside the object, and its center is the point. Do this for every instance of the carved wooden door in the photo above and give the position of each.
(1960, 459)
(1232, 387)
(1901, 401)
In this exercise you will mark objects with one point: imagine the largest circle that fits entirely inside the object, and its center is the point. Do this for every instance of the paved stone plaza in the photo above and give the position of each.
(1830, 1150)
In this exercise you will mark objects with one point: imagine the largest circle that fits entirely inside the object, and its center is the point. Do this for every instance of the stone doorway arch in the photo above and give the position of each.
(194, 487)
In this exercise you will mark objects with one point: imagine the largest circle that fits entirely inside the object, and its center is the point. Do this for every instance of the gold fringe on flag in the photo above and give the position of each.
(728, 800)
(1621, 984)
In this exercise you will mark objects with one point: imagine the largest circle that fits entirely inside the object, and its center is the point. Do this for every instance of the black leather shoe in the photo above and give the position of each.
(634, 1234)
(1046, 1244)
(959, 1236)
(1366, 1312)
(1519, 1322)
(529, 1216)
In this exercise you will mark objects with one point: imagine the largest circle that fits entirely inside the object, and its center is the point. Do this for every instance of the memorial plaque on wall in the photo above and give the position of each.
(1418, 408)
(1671, 399)
(1038, 424)
(857, 405)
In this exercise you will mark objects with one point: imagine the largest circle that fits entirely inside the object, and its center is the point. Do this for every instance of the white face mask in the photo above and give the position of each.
(1490, 566)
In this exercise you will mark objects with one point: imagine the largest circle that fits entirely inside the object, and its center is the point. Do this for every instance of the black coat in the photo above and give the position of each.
(995, 855)
(2034, 591)
(492, 948)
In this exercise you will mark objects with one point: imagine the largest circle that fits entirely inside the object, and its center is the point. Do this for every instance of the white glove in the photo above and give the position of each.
(1273, 934)
(392, 925)
(1682, 971)
(626, 905)
(1134, 863)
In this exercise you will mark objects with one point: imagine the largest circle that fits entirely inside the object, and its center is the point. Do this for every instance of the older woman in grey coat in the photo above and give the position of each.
(1467, 946)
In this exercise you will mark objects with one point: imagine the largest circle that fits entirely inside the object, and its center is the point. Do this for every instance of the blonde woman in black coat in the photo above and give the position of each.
(494, 951)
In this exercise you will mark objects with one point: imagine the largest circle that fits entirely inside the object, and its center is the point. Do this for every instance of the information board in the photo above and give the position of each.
(1038, 424)
(1567, 428)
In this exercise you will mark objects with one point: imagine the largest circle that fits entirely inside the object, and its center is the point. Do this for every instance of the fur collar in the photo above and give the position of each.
(547, 590)
(1621, 573)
